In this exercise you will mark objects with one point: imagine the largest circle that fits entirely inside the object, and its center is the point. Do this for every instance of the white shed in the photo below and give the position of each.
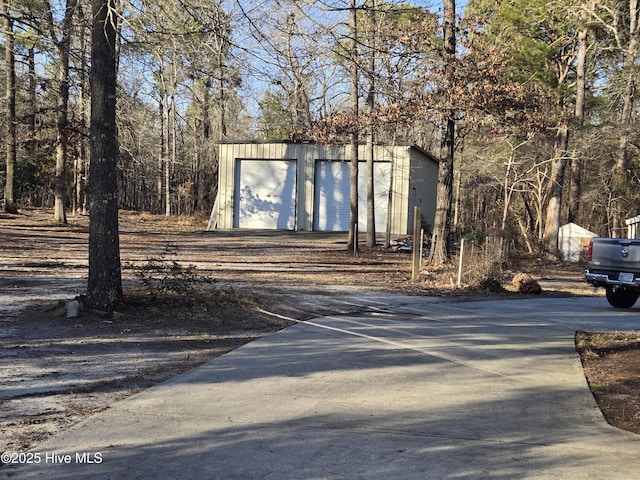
(573, 241)
(303, 186)
(633, 224)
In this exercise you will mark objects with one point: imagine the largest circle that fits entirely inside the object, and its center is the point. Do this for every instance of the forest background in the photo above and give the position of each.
(529, 104)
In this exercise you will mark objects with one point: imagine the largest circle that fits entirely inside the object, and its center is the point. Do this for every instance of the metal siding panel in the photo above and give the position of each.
(424, 184)
(381, 175)
(398, 220)
(221, 185)
(226, 185)
(402, 211)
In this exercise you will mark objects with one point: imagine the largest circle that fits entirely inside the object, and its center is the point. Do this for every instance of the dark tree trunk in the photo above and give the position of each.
(104, 289)
(11, 138)
(442, 224)
(82, 163)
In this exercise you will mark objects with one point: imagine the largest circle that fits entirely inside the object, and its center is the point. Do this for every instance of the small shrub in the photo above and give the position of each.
(477, 236)
(482, 263)
(161, 275)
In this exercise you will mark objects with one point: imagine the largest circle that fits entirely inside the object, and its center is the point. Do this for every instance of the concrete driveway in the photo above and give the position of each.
(412, 389)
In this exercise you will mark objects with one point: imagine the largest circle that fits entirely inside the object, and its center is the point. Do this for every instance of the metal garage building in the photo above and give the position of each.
(302, 186)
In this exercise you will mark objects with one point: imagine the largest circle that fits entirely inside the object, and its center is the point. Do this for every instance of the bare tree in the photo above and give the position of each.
(580, 108)
(564, 59)
(62, 44)
(81, 160)
(556, 185)
(623, 160)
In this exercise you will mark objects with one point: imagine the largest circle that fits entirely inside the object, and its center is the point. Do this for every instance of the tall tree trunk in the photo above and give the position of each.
(556, 185)
(442, 225)
(556, 182)
(621, 172)
(161, 155)
(195, 164)
(104, 289)
(575, 188)
(371, 207)
(222, 122)
(202, 187)
(33, 99)
(352, 240)
(60, 194)
(167, 158)
(11, 138)
(82, 160)
(63, 45)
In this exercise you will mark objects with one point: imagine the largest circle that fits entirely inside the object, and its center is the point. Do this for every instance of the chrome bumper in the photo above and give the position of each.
(603, 280)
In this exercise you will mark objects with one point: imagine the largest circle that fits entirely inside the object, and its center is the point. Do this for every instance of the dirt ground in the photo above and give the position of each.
(612, 366)
(192, 295)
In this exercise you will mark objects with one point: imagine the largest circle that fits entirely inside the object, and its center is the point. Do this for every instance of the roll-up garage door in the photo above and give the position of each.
(265, 194)
(331, 195)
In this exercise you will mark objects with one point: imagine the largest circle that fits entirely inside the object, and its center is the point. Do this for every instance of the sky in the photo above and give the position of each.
(250, 34)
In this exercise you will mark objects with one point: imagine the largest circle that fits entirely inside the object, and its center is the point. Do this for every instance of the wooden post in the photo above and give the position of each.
(355, 239)
(460, 262)
(417, 222)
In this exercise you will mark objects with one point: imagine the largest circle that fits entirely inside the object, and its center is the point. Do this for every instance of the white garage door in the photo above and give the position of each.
(265, 194)
(331, 196)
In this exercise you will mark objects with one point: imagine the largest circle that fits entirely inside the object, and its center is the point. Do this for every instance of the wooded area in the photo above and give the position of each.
(529, 104)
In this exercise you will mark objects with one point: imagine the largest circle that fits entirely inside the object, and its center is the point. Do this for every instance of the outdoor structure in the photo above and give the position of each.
(573, 242)
(304, 186)
(632, 227)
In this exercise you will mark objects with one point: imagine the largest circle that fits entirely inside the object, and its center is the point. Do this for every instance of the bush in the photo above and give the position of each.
(478, 236)
(161, 275)
(482, 262)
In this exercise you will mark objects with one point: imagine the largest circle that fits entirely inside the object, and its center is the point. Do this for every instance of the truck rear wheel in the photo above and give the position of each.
(621, 298)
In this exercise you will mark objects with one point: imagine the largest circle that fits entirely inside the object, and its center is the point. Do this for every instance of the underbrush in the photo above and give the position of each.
(163, 275)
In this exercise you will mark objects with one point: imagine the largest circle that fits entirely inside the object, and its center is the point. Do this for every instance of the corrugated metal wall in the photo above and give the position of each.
(414, 179)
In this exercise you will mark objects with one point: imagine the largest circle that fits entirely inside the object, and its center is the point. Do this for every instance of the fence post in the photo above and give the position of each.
(417, 222)
(460, 262)
(355, 239)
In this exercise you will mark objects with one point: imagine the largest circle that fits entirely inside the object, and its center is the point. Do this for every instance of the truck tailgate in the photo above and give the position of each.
(619, 254)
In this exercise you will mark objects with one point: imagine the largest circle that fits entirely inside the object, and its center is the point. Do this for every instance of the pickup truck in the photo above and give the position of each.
(614, 263)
